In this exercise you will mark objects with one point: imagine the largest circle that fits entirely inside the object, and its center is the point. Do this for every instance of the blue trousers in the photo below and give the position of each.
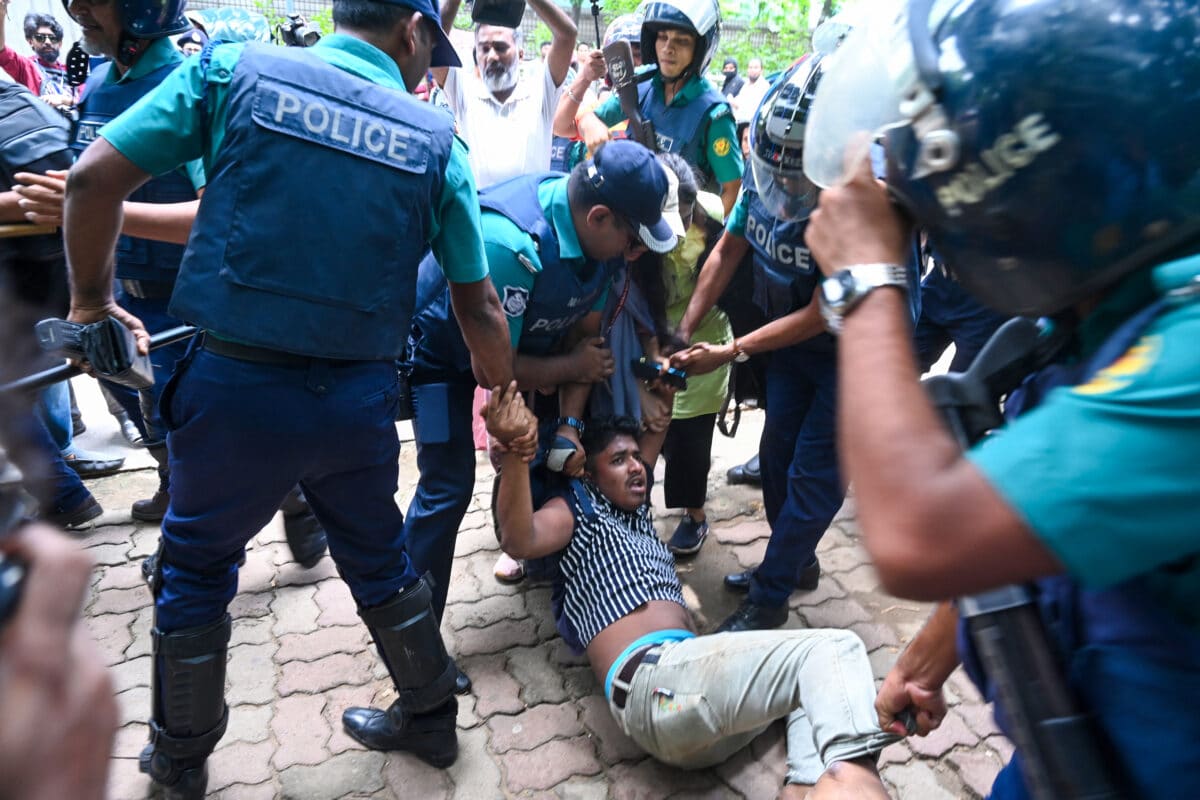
(240, 436)
(446, 460)
(142, 406)
(951, 315)
(54, 408)
(802, 487)
(45, 475)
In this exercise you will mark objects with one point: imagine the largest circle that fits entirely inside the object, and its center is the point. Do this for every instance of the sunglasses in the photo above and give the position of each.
(47, 38)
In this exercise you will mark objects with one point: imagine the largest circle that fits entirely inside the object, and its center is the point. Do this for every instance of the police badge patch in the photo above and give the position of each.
(515, 300)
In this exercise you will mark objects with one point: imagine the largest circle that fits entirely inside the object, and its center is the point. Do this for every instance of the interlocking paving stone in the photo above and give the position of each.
(300, 655)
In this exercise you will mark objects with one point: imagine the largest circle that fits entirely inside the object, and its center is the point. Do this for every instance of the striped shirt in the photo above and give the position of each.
(614, 564)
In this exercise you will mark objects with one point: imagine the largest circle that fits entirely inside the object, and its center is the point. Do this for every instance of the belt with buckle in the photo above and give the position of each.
(643, 655)
(147, 290)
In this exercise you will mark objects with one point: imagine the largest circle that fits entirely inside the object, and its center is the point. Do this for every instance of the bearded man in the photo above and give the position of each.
(505, 113)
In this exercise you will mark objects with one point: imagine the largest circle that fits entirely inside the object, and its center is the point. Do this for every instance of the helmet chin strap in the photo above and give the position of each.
(129, 49)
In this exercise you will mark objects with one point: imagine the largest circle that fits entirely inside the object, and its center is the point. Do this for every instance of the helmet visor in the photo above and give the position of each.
(867, 88)
(777, 143)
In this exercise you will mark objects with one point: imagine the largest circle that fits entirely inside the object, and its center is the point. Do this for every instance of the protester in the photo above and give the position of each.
(505, 114)
(690, 701)
(746, 101)
(1089, 492)
(294, 379)
(733, 82)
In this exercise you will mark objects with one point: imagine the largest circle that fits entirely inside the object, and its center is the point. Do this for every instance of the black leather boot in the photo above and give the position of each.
(305, 535)
(750, 472)
(154, 508)
(422, 719)
(190, 714)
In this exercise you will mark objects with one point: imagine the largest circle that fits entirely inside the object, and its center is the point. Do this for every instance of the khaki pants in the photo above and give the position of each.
(707, 697)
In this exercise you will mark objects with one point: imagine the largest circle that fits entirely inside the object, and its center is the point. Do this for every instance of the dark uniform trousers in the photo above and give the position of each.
(249, 432)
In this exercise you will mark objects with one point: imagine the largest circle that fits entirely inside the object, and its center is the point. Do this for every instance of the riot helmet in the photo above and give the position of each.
(777, 142)
(702, 18)
(625, 28)
(150, 19)
(1047, 148)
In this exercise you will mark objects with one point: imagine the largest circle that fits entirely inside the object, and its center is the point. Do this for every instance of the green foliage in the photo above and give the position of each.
(323, 19)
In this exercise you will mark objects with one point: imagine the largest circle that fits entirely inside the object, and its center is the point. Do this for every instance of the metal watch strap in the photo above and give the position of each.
(867, 278)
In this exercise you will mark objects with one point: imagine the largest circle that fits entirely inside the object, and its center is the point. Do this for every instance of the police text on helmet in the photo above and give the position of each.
(1010, 152)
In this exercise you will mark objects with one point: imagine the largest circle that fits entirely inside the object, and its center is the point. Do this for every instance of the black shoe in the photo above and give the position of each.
(76, 517)
(810, 576)
(739, 581)
(152, 509)
(749, 473)
(462, 684)
(305, 537)
(430, 737)
(91, 465)
(753, 617)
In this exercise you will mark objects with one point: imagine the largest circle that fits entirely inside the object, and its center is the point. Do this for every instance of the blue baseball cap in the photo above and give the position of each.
(633, 183)
(444, 54)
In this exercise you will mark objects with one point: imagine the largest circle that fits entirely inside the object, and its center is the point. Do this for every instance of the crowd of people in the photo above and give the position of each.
(600, 258)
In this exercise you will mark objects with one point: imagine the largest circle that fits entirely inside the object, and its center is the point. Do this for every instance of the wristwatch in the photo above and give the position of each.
(845, 289)
(740, 356)
(572, 422)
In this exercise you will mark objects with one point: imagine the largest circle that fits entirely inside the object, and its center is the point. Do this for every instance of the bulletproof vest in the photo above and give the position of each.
(785, 274)
(33, 138)
(137, 259)
(561, 295)
(681, 129)
(1132, 661)
(436, 349)
(560, 153)
(332, 277)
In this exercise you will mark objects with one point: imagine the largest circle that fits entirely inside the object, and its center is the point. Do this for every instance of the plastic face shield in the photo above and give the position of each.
(777, 140)
(871, 84)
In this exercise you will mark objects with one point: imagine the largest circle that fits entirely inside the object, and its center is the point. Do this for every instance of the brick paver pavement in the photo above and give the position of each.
(535, 725)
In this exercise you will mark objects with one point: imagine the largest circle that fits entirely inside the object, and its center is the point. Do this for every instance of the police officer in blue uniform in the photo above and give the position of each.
(136, 41)
(950, 315)
(550, 239)
(305, 309)
(1075, 199)
(690, 117)
(802, 487)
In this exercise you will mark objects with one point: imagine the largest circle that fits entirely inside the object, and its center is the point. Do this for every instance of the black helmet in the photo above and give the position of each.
(699, 17)
(150, 19)
(1048, 148)
(777, 142)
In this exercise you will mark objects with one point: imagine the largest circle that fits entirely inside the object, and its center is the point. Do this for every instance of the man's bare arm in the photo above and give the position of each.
(481, 320)
(562, 37)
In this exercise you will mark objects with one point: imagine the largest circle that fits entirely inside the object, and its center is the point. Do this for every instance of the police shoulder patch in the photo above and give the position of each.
(515, 300)
(722, 147)
(1121, 373)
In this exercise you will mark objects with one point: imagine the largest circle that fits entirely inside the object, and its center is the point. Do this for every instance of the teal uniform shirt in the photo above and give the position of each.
(1107, 473)
(513, 259)
(186, 116)
(736, 224)
(159, 53)
(721, 149)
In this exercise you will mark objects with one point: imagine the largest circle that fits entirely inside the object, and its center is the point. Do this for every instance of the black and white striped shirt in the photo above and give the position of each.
(614, 563)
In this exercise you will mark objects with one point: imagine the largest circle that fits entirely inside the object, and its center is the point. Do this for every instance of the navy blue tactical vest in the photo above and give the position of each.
(560, 153)
(329, 279)
(1133, 664)
(681, 129)
(785, 275)
(137, 259)
(561, 294)
(436, 349)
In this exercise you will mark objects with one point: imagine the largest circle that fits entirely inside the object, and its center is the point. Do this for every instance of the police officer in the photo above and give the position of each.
(304, 308)
(802, 488)
(950, 315)
(158, 218)
(690, 117)
(1074, 199)
(549, 239)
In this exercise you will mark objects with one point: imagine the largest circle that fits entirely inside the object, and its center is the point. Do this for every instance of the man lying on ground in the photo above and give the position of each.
(690, 701)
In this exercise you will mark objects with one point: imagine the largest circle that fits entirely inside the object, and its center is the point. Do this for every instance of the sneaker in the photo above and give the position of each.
(689, 537)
